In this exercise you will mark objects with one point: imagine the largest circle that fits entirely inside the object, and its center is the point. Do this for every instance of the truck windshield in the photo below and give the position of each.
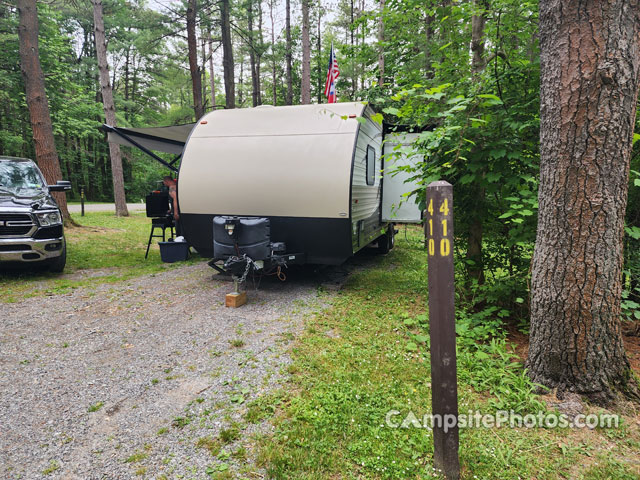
(19, 177)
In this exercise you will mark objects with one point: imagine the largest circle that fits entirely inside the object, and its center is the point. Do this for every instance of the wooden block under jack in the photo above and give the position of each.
(235, 299)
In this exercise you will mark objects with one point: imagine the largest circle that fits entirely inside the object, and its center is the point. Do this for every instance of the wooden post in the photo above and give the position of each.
(444, 381)
(82, 201)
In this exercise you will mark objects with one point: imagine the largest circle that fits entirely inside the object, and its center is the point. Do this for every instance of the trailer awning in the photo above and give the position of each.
(162, 139)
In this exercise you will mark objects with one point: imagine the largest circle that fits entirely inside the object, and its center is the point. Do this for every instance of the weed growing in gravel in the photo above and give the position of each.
(181, 422)
(211, 444)
(162, 431)
(231, 434)
(138, 456)
(53, 466)
(154, 381)
(237, 343)
(95, 407)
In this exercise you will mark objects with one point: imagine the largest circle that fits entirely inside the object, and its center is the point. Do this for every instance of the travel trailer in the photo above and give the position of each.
(284, 185)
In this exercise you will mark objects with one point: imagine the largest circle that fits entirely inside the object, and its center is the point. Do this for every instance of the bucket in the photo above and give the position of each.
(174, 251)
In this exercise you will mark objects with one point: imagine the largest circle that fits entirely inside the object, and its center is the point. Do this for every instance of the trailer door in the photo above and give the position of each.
(397, 206)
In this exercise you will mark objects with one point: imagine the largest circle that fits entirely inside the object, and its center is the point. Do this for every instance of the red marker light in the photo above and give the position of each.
(352, 116)
(204, 122)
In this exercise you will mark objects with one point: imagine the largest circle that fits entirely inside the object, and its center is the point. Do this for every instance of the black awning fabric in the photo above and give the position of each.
(162, 139)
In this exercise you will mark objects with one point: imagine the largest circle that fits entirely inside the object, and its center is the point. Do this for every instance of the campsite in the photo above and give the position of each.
(276, 239)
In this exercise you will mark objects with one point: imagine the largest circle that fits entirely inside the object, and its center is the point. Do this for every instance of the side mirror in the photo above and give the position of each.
(60, 186)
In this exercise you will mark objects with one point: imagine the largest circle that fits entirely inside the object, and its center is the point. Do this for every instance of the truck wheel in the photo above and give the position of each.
(57, 264)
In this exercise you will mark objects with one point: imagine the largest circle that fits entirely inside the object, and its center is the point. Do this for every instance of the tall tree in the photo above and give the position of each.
(588, 109)
(194, 68)
(255, 84)
(381, 44)
(306, 55)
(288, 54)
(109, 109)
(273, 53)
(45, 148)
(227, 55)
(212, 77)
(478, 63)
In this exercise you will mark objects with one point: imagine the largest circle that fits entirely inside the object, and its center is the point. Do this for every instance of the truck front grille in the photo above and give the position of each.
(15, 224)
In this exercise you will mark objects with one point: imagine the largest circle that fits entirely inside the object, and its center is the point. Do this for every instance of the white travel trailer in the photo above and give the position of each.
(292, 184)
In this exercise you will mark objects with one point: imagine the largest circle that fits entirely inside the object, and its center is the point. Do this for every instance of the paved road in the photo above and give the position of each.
(105, 207)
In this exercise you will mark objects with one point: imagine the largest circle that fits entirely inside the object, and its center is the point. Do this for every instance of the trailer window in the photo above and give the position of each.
(371, 165)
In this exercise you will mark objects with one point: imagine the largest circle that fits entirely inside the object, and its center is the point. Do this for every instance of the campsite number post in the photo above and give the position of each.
(444, 394)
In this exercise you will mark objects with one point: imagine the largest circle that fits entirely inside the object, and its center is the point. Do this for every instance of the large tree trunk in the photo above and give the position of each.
(227, 56)
(109, 109)
(305, 92)
(590, 64)
(45, 148)
(194, 68)
(288, 55)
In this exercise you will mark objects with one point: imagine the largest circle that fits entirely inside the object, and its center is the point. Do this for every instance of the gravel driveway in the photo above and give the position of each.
(114, 381)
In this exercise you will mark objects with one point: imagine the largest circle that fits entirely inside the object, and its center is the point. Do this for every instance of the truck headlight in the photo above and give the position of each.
(49, 218)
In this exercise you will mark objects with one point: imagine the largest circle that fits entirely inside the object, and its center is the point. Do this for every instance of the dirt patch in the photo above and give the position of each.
(520, 343)
(632, 347)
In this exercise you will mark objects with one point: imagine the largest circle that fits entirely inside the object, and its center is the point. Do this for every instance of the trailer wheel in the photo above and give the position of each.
(385, 242)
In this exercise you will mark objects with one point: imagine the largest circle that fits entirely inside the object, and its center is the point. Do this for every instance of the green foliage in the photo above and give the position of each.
(353, 367)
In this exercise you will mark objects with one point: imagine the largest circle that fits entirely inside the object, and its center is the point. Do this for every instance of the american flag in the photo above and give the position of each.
(332, 75)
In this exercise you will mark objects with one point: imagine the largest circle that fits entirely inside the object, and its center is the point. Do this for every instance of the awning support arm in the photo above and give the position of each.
(172, 162)
(117, 131)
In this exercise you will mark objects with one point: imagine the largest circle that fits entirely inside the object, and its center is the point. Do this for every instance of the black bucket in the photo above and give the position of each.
(174, 251)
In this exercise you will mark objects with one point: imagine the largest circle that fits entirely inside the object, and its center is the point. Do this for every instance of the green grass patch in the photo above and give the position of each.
(367, 355)
(107, 248)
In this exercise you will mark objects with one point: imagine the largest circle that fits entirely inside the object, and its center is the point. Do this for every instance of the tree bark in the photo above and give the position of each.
(227, 55)
(194, 68)
(44, 144)
(305, 92)
(478, 22)
(109, 109)
(288, 55)
(590, 64)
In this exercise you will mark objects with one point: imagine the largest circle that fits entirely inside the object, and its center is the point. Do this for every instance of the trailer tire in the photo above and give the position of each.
(386, 242)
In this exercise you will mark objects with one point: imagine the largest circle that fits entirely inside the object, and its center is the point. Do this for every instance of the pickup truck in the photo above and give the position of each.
(31, 230)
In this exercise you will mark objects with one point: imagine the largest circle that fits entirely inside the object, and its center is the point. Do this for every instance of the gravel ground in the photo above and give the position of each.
(114, 381)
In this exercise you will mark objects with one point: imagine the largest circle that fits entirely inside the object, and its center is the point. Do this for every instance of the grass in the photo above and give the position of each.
(368, 355)
(95, 407)
(104, 245)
